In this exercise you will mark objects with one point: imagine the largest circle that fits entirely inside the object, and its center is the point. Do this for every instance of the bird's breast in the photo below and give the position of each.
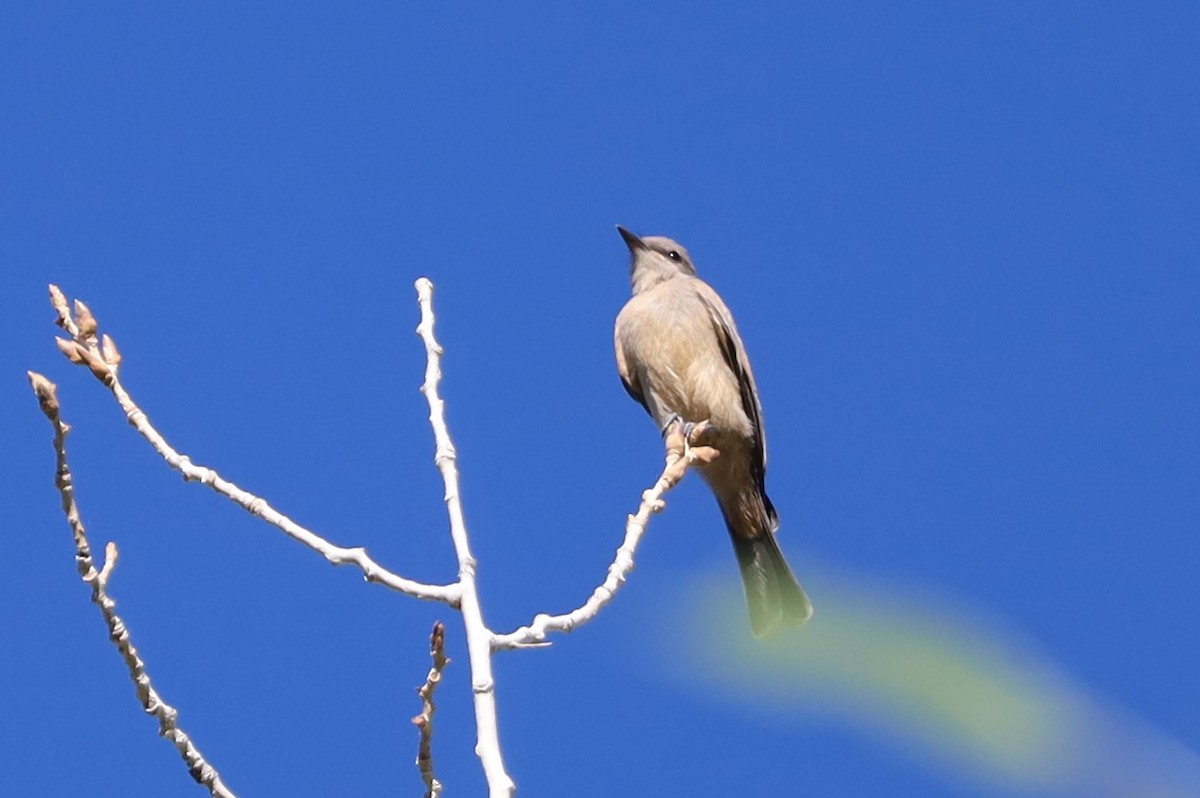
(668, 339)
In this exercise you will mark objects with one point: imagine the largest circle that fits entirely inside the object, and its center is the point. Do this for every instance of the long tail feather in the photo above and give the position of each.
(773, 595)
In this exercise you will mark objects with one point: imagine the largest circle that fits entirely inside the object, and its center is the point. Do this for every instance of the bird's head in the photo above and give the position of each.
(654, 259)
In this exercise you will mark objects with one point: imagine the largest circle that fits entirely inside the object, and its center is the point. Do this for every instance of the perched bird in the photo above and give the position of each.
(680, 356)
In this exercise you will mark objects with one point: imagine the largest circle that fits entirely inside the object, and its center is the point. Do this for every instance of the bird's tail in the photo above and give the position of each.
(773, 595)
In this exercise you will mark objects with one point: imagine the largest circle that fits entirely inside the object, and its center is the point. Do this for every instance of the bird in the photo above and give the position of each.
(680, 356)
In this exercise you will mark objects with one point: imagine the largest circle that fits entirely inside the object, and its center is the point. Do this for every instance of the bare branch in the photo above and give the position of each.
(168, 725)
(479, 637)
(103, 359)
(100, 355)
(681, 455)
(424, 721)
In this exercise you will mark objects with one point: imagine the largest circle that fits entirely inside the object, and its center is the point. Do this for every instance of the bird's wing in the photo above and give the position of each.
(629, 377)
(735, 357)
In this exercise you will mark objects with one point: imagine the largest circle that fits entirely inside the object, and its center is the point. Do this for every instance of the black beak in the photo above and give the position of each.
(633, 242)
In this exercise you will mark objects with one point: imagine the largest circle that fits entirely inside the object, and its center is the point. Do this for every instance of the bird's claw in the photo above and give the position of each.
(696, 433)
(672, 420)
(701, 433)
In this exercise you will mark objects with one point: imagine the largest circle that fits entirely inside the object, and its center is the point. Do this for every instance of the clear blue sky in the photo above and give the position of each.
(961, 243)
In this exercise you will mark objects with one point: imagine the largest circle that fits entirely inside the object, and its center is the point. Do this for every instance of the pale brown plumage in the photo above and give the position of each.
(679, 354)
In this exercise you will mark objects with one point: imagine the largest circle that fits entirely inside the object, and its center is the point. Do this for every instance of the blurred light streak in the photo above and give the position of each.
(952, 688)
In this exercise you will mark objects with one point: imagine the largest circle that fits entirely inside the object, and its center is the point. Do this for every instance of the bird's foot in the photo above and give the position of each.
(672, 420)
(696, 433)
(691, 439)
(702, 433)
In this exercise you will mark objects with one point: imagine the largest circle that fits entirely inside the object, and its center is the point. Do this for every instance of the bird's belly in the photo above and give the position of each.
(683, 371)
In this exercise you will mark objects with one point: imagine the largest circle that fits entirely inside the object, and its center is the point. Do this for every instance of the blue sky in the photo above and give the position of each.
(961, 245)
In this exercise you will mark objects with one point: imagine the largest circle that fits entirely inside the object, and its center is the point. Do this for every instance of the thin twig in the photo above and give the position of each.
(479, 637)
(168, 725)
(101, 357)
(424, 721)
(681, 455)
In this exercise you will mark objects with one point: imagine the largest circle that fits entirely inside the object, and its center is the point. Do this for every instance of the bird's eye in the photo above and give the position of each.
(674, 255)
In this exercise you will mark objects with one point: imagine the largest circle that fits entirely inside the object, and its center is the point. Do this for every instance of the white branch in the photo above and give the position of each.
(479, 637)
(424, 721)
(680, 456)
(168, 717)
(103, 359)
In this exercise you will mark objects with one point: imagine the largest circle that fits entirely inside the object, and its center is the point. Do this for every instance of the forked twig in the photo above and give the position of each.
(102, 358)
(479, 637)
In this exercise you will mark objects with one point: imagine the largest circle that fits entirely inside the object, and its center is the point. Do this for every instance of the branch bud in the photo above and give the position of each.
(110, 562)
(101, 370)
(59, 302)
(87, 322)
(437, 640)
(72, 350)
(46, 393)
(108, 349)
